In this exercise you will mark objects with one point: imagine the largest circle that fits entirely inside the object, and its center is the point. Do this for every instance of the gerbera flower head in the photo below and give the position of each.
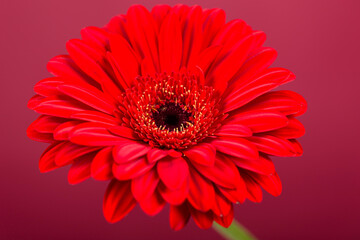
(174, 106)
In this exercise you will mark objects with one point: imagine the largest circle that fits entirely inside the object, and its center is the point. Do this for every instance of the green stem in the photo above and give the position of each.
(236, 231)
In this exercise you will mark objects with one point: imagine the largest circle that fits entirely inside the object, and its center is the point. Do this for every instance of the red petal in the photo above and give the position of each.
(117, 24)
(62, 131)
(201, 191)
(96, 117)
(159, 12)
(202, 153)
(47, 160)
(153, 204)
(142, 33)
(156, 154)
(46, 124)
(296, 145)
(294, 129)
(233, 130)
(55, 106)
(204, 220)
(174, 196)
(170, 44)
(237, 195)
(173, 172)
(228, 63)
(254, 192)
(143, 186)
(212, 25)
(222, 206)
(92, 63)
(118, 201)
(88, 95)
(257, 62)
(223, 173)
(179, 216)
(128, 152)
(231, 33)
(225, 221)
(48, 86)
(40, 137)
(95, 134)
(286, 102)
(270, 79)
(35, 101)
(70, 152)
(64, 66)
(273, 145)
(80, 169)
(124, 132)
(237, 147)
(271, 183)
(207, 57)
(126, 60)
(131, 169)
(262, 165)
(192, 36)
(101, 166)
(260, 120)
(96, 37)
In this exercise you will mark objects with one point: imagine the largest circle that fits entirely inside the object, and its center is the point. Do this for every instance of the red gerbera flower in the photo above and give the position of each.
(173, 106)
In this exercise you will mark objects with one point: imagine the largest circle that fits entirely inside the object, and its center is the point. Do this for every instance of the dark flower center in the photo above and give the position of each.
(170, 110)
(171, 116)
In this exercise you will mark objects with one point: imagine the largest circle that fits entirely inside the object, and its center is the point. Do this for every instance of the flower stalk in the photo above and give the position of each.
(235, 231)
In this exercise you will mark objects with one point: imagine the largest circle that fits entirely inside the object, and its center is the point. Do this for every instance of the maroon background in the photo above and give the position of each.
(318, 40)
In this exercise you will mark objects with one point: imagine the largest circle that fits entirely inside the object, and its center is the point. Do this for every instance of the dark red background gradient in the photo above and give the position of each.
(317, 39)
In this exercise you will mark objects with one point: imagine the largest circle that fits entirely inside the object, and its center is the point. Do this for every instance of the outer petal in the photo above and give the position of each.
(201, 191)
(222, 206)
(274, 146)
(260, 120)
(254, 192)
(128, 152)
(233, 130)
(225, 221)
(142, 33)
(132, 169)
(156, 154)
(101, 166)
(294, 129)
(271, 183)
(223, 173)
(144, 185)
(284, 101)
(94, 134)
(80, 169)
(204, 220)
(88, 95)
(70, 152)
(174, 196)
(118, 201)
(248, 91)
(170, 44)
(47, 159)
(237, 147)
(153, 204)
(173, 172)
(179, 216)
(262, 165)
(202, 153)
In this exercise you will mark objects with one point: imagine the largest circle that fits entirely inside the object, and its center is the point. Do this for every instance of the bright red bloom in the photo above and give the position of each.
(173, 106)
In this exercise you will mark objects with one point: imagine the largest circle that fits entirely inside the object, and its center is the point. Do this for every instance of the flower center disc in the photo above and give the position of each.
(170, 110)
(171, 116)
